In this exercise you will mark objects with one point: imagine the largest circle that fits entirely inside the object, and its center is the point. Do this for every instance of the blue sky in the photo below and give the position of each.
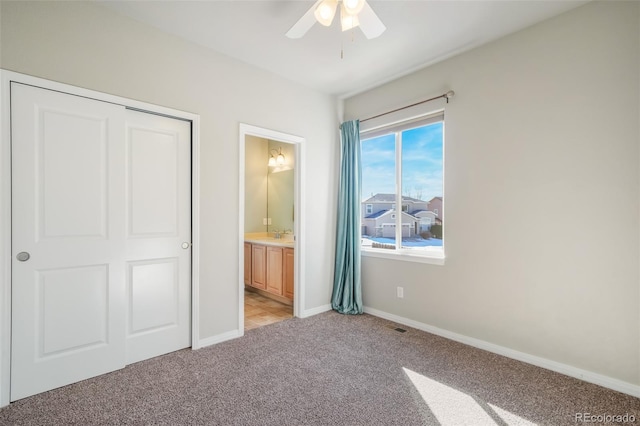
(421, 163)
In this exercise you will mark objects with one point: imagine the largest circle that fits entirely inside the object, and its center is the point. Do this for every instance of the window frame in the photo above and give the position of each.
(429, 255)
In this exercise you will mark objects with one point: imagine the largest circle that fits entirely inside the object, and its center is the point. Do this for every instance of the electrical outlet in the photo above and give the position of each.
(400, 292)
(269, 221)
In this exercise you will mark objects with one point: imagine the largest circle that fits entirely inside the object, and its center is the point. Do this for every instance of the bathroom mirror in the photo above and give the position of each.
(280, 188)
(269, 190)
(280, 200)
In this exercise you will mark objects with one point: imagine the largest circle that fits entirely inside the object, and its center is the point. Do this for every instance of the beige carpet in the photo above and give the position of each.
(329, 369)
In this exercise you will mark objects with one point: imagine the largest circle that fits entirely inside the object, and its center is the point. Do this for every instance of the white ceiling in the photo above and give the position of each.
(419, 33)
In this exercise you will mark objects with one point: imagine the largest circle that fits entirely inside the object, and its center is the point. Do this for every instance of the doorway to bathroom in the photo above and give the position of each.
(271, 286)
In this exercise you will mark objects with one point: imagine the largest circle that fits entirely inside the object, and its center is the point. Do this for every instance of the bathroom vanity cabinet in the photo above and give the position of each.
(269, 268)
(288, 272)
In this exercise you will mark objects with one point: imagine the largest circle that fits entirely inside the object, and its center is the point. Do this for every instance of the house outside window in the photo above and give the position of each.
(403, 165)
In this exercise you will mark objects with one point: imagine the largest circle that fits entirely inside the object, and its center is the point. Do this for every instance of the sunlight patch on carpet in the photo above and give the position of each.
(454, 408)
(510, 418)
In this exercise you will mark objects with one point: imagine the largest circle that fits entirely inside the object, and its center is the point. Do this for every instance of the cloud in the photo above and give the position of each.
(422, 163)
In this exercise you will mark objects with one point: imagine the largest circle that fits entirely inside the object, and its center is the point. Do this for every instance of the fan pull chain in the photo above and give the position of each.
(353, 39)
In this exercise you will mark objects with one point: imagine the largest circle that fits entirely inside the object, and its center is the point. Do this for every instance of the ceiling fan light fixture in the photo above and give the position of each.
(325, 12)
(352, 7)
(353, 13)
(348, 21)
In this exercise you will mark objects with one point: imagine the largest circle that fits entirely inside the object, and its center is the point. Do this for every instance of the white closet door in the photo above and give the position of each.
(158, 238)
(68, 297)
(101, 202)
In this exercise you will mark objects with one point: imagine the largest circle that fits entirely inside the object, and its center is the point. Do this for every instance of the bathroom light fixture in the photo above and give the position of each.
(276, 158)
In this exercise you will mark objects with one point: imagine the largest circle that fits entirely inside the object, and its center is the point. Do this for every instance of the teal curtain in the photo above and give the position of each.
(347, 291)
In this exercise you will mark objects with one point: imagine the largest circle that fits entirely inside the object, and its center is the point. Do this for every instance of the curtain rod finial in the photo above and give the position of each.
(450, 94)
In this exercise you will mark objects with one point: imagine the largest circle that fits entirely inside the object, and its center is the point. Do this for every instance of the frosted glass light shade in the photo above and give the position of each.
(353, 7)
(276, 157)
(325, 12)
(348, 21)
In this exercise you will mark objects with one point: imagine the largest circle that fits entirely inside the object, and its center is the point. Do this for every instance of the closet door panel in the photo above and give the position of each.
(67, 231)
(158, 240)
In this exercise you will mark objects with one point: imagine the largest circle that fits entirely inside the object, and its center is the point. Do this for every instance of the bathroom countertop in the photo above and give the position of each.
(285, 241)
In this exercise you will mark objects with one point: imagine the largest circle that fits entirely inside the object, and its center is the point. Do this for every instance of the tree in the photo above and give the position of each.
(436, 231)
(419, 192)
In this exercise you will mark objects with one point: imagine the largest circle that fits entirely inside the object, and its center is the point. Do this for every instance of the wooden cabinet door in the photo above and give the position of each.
(288, 273)
(259, 266)
(274, 270)
(247, 263)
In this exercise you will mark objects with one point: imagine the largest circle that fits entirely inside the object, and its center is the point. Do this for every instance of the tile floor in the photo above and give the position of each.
(260, 310)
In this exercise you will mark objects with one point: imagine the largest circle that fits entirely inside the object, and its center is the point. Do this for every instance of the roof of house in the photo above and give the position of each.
(385, 212)
(390, 198)
(376, 214)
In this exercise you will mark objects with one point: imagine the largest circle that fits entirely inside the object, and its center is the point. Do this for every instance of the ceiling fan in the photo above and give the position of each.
(353, 13)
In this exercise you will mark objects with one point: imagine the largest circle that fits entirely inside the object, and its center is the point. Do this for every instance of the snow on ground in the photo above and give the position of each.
(406, 242)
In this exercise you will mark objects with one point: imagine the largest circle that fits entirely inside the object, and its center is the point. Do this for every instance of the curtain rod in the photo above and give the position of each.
(447, 96)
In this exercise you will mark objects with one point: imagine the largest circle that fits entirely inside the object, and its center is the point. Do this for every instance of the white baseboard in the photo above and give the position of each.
(233, 334)
(315, 311)
(219, 338)
(568, 370)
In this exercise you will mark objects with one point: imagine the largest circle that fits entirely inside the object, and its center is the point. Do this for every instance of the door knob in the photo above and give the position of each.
(23, 256)
(186, 245)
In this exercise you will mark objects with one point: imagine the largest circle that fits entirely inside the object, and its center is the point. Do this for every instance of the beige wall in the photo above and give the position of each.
(548, 116)
(86, 45)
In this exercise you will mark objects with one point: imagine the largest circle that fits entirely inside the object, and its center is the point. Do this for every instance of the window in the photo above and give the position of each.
(402, 165)
(369, 209)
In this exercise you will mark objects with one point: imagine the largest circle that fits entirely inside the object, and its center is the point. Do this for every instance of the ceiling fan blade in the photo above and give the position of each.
(370, 24)
(304, 24)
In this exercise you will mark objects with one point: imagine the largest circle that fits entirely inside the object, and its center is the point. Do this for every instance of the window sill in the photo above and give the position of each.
(432, 258)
